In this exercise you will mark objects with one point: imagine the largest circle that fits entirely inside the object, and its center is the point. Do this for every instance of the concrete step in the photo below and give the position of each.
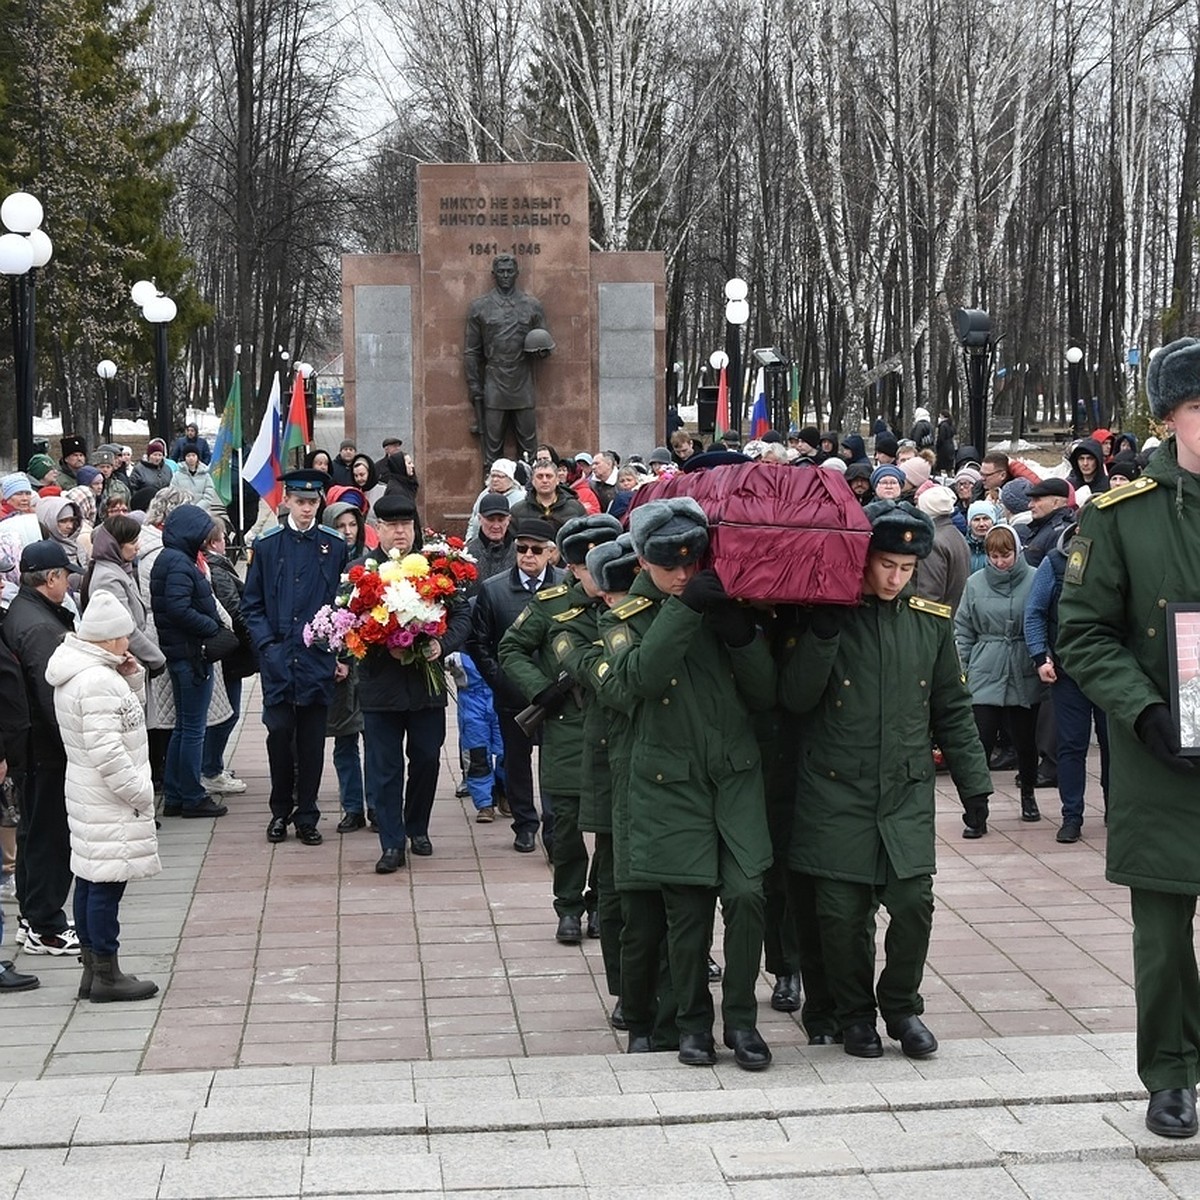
(1014, 1117)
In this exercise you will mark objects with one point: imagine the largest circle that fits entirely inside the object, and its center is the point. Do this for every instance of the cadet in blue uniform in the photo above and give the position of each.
(296, 569)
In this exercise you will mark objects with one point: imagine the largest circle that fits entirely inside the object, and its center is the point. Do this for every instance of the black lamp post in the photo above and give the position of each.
(1074, 365)
(159, 310)
(107, 370)
(975, 335)
(737, 313)
(23, 250)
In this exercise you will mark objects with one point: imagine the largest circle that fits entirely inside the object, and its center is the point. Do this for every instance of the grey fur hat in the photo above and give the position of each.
(613, 564)
(669, 533)
(580, 534)
(1174, 376)
(898, 527)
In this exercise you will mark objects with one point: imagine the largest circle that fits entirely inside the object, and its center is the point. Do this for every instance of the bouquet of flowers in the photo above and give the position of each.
(397, 602)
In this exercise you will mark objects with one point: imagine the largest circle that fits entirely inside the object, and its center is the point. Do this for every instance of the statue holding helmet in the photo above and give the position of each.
(506, 332)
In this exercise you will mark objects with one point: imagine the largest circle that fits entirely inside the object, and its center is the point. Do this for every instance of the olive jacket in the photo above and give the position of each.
(868, 700)
(695, 776)
(1137, 550)
(528, 659)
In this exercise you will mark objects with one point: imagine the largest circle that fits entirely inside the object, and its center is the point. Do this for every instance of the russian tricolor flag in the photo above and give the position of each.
(760, 419)
(262, 468)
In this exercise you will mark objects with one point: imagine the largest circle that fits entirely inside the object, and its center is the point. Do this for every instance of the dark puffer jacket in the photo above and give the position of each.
(180, 597)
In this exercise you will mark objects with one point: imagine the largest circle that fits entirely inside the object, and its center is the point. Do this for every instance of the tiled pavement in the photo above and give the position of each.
(325, 1031)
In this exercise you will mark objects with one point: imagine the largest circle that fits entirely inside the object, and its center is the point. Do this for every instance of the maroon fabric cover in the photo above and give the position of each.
(788, 535)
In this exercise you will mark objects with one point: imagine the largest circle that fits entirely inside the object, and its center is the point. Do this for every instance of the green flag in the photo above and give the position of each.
(229, 441)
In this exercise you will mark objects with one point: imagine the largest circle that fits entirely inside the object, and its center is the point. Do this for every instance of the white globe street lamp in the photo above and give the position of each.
(23, 250)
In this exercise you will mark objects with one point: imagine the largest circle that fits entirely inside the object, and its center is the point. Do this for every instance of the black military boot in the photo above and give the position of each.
(1029, 805)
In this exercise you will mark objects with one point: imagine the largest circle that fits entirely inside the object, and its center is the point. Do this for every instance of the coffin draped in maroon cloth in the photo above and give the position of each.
(788, 535)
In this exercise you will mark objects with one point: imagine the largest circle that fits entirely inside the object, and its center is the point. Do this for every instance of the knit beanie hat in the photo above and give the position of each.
(1014, 495)
(104, 618)
(10, 485)
(885, 472)
(886, 443)
(970, 474)
(505, 466)
(982, 508)
(916, 471)
(155, 445)
(834, 463)
(40, 465)
(936, 500)
(810, 435)
(88, 475)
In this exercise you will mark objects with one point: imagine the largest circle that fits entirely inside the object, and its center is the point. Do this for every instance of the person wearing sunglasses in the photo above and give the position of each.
(502, 603)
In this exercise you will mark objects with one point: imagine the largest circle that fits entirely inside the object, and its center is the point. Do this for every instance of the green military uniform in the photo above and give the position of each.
(792, 933)
(1138, 550)
(696, 816)
(869, 699)
(529, 659)
(578, 649)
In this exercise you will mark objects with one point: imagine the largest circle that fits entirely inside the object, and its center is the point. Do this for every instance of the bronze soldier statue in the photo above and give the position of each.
(506, 331)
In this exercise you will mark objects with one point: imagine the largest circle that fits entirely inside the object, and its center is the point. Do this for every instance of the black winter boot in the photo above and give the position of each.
(110, 983)
(85, 981)
(1029, 805)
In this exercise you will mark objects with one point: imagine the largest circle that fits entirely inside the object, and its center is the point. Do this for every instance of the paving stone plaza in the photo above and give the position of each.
(323, 1031)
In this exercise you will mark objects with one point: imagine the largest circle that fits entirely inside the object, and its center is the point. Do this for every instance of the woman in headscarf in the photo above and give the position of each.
(112, 570)
(61, 522)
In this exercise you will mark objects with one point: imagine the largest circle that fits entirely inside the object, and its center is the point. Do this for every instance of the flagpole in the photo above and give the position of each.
(241, 500)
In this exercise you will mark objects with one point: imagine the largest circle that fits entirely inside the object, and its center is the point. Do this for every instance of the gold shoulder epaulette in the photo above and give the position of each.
(552, 593)
(569, 615)
(930, 606)
(1136, 488)
(628, 608)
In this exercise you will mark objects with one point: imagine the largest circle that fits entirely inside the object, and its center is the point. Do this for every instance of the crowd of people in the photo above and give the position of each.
(690, 734)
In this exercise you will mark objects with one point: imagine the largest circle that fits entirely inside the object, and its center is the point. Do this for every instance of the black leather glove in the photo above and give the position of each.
(826, 621)
(1156, 728)
(732, 622)
(704, 590)
(975, 810)
(551, 698)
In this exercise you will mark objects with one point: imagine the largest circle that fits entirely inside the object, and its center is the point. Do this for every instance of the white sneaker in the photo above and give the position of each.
(22, 931)
(219, 785)
(59, 944)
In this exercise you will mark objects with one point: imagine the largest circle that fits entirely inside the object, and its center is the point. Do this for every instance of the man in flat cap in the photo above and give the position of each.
(534, 654)
(872, 685)
(1137, 552)
(686, 665)
(296, 568)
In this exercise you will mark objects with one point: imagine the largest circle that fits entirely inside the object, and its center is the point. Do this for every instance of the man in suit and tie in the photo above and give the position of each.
(501, 603)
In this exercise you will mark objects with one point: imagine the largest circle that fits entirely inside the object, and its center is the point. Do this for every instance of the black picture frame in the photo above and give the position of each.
(1183, 645)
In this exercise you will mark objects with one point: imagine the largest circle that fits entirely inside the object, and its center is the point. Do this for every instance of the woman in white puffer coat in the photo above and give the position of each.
(98, 686)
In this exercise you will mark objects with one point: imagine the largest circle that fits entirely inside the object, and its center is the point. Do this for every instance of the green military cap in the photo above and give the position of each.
(1174, 376)
(898, 527)
(669, 533)
(613, 565)
(580, 534)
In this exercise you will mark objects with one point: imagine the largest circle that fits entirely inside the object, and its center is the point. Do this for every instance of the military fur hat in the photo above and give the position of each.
(669, 533)
(898, 527)
(580, 534)
(613, 564)
(1174, 376)
(72, 444)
